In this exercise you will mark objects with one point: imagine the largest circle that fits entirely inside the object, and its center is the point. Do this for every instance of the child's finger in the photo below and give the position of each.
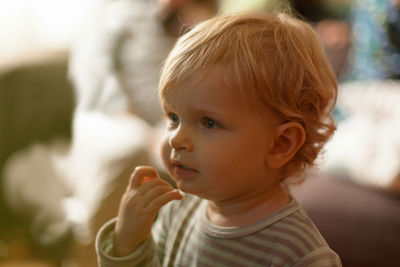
(156, 203)
(149, 185)
(139, 174)
(155, 192)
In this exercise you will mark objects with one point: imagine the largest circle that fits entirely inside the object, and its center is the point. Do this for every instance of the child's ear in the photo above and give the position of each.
(289, 137)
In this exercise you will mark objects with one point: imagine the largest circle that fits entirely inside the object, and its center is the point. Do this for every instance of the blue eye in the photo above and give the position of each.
(209, 123)
(173, 117)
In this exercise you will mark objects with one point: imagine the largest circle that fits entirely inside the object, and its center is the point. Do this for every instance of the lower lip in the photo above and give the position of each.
(181, 172)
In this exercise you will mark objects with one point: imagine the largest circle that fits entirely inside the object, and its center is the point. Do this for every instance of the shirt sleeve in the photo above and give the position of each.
(323, 256)
(145, 255)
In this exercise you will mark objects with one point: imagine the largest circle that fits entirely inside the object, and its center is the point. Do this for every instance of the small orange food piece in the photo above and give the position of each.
(146, 179)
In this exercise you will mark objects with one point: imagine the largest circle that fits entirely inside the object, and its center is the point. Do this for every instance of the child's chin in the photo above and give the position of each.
(187, 189)
(184, 187)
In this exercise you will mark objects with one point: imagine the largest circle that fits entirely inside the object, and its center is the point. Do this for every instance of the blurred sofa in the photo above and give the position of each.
(36, 106)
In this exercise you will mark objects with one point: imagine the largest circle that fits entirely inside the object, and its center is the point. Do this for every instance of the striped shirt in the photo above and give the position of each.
(183, 236)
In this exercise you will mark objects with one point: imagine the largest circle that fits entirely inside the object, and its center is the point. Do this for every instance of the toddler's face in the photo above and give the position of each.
(215, 147)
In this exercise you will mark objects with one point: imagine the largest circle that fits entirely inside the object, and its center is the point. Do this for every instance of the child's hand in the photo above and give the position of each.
(145, 195)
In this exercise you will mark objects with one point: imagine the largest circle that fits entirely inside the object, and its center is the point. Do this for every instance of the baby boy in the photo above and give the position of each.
(247, 100)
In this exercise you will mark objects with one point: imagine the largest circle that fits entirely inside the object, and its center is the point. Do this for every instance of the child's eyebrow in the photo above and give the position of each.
(199, 110)
(165, 105)
(210, 111)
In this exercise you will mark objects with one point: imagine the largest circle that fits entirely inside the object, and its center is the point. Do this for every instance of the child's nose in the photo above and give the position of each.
(179, 139)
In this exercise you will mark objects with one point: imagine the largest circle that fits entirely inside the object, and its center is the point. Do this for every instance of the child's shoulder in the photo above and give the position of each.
(292, 233)
(294, 225)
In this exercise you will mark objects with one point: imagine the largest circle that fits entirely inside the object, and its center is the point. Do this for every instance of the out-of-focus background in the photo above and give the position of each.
(79, 110)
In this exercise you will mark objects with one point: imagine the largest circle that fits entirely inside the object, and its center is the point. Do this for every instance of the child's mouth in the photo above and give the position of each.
(184, 167)
(180, 170)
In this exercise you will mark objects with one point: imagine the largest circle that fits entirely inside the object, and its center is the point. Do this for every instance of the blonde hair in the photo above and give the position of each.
(274, 60)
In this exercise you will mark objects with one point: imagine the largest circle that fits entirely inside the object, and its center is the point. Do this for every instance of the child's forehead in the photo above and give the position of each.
(210, 87)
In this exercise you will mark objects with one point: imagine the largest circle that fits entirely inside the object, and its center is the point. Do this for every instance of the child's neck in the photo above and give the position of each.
(247, 210)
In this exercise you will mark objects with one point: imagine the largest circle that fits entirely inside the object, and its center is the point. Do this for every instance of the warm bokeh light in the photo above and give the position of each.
(28, 27)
